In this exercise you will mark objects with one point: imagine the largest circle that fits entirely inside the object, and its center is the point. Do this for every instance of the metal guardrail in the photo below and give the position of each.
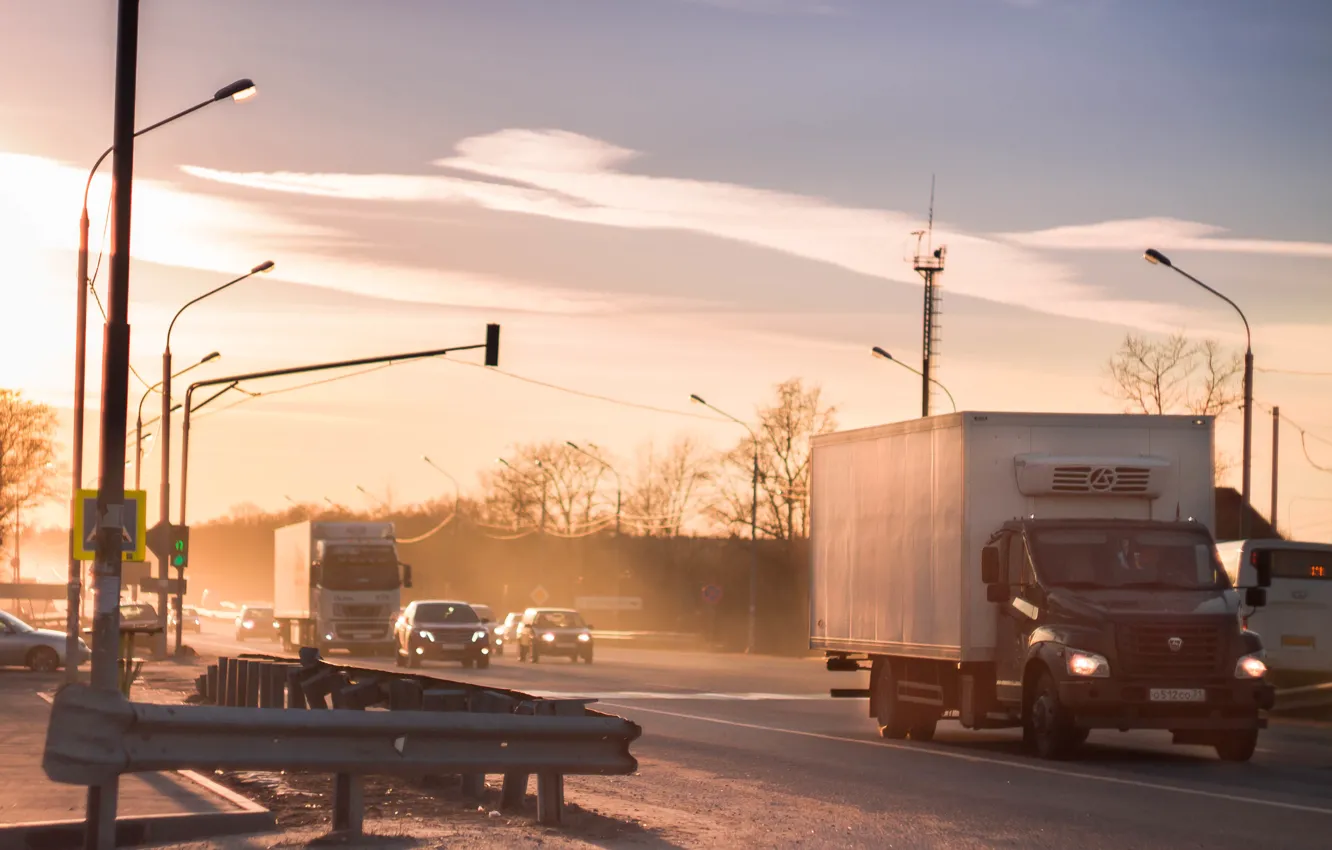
(266, 715)
(1308, 697)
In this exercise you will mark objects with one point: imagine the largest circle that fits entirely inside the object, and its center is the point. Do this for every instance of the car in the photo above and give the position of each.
(554, 631)
(40, 650)
(190, 620)
(487, 619)
(256, 621)
(443, 630)
(506, 632)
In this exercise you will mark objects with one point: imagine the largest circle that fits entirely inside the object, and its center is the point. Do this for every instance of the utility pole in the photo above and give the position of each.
(1276, 445)
(929, 265)
(100, 826)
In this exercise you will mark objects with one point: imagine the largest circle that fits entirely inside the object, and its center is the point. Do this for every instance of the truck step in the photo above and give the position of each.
(850, 693)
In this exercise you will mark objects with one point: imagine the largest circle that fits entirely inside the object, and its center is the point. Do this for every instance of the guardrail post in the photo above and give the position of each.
(295, 693)
(220, 695)
(277, 684)
(210, 683)
(550, 799)
(254, 673)
(348, 803)
(242, 682)
(266, 686)
(233, 673)
(515, 791)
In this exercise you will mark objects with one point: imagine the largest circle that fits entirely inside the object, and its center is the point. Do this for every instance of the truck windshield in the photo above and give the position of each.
(1127, 558)
(359, 568)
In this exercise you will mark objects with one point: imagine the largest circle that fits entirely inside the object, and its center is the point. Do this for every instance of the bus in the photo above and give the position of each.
(1296, 623)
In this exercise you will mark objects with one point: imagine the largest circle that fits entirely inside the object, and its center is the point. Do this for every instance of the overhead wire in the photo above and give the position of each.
(1305, 436)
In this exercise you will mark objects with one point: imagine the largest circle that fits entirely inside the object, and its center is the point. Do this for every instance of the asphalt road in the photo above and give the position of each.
(770, 720)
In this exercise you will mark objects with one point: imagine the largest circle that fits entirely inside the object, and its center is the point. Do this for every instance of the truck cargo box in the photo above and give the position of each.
(899, 513)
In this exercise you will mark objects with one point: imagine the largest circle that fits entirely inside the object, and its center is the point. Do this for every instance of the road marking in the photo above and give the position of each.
(1034, 768)
(659, 695)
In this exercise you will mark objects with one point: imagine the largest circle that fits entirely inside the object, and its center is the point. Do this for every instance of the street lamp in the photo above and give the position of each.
(1156, 258)
(753, 522)
(240, 90)
(880, 353)
(138, 421)
(529, 478)
(164, 496)
(619, 490)
(457, 490)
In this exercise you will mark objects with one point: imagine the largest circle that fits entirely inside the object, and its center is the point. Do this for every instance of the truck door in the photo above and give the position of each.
(1014, 622)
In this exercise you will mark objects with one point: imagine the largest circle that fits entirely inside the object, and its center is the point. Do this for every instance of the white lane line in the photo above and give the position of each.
(1034, 768)
(661, 695)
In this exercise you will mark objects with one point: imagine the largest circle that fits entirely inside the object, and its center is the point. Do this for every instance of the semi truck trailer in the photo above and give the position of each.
(1053, 572)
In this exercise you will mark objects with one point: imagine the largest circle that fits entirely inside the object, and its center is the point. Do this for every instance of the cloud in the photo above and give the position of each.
(1166, 234)
(176, 227)
(570, 177)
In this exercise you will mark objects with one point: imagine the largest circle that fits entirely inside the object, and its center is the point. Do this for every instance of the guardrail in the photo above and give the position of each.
(266, 715)
(1307, 698)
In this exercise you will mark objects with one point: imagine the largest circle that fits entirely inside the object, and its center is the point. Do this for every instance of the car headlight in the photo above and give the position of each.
(585, 637)
(548, 637)
(426, 636)
(1088, 665)
(248, 624)
(1251, 667)
(479, 634)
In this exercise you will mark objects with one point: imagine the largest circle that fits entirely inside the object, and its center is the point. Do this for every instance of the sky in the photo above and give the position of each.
(663, 197)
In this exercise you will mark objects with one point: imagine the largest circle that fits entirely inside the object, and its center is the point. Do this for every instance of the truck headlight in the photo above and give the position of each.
(1251, 667)
(479, 634)
(426, 636)
(1088, 665)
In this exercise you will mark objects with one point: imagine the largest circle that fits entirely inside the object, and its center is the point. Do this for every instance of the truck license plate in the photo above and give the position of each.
(1177, 695)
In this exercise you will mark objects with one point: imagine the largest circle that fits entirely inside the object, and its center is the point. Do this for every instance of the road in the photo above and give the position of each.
(770, 720)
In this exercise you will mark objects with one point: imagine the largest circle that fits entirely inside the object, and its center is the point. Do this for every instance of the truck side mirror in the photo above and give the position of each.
(997, 593)
(1255, 597)
(1262, 565)
(991, 571)
(406, 575)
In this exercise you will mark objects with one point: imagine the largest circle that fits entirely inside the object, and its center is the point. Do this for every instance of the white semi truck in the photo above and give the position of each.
(338, 585)
(1054, 572)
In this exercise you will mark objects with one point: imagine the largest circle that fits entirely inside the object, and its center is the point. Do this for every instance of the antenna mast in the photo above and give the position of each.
(929, 265)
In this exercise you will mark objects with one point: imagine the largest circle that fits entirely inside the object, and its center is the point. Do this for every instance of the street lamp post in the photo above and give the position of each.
(138, 420)
(1155, 257)
(239, 90)
(164, 497)
(753, 523)
(457, 490)
(545, 474)
(884, 355)
(371, 496)
(619, 489)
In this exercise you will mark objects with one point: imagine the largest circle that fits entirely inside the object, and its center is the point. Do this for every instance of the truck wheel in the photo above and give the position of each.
(1048, 727)
(483, 663)
(413, 660)
(922, 727)
(1237, 746)
(892, 715)
(587, 656)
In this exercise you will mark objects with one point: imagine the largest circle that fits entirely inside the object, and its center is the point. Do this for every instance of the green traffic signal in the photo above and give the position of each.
(180, 545)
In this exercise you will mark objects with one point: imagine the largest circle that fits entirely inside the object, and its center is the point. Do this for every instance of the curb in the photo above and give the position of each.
(130, 831)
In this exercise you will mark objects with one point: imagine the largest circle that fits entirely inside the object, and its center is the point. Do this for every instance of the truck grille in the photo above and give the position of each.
(1159, 650)
(360, 612)
(361, 631)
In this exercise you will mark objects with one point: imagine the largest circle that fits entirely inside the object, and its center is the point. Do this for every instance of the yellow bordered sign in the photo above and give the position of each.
(134, 518)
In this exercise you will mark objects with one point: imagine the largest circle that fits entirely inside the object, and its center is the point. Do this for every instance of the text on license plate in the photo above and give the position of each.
(1177, 695)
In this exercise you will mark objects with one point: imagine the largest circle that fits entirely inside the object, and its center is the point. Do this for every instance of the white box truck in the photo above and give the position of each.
(338, 585)
(1056, 572)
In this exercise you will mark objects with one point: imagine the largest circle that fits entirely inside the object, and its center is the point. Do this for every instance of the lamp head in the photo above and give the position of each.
(1156, 258)
(242, 89)
(696, 399)
(212, 355)
(879, 352)
(262, 267)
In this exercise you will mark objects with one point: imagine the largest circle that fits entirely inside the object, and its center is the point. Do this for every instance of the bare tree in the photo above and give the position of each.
(553, 476)
(1175, 375)
(784, 429)
(668, 485)
(27, 456)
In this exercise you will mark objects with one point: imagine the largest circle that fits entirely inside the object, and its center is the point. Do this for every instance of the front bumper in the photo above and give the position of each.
(573, 648)
(1114, 704)
(450, 651)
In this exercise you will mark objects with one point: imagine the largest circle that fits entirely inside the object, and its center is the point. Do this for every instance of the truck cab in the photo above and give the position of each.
(1108, 624)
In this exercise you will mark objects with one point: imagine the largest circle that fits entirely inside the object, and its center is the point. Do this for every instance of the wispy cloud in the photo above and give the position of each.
(1166, 234)
(572, 177)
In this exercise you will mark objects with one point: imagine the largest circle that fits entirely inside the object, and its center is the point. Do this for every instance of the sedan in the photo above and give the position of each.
(442, 630)
(41, 650)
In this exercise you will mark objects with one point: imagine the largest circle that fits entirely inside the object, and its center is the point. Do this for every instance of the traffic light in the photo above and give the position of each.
(492, 345)
(179, 554)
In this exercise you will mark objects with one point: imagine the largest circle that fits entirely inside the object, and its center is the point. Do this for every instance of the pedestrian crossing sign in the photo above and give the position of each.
(132, 520)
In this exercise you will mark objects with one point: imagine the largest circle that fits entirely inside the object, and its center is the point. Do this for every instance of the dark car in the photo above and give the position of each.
(554, 631)
(256, 622)
(189, 618)
(442, 630)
